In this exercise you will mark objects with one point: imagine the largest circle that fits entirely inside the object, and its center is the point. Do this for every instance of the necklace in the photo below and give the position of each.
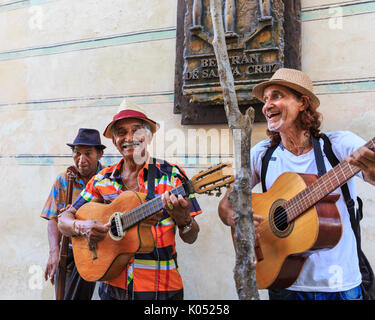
(136, 188)
(304, 145)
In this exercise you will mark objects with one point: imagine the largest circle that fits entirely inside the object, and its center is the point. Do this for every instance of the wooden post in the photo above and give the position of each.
(240, 197)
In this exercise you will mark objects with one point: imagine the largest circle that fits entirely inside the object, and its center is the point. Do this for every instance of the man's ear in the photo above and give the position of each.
(305, 102)
(100, 154)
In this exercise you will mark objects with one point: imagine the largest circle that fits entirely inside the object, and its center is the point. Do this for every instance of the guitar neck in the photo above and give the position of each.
(147, 209)
(322, 187)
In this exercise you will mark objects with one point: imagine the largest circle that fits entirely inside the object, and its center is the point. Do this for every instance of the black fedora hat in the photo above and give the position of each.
(87, 137)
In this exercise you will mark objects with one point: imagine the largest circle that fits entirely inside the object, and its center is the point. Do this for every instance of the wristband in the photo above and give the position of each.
(188, 227)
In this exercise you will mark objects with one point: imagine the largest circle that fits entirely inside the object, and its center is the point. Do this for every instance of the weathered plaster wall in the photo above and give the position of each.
(66, 64)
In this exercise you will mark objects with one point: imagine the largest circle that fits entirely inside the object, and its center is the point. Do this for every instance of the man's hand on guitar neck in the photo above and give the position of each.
(179, 209)
(364, 158)
(93, 230)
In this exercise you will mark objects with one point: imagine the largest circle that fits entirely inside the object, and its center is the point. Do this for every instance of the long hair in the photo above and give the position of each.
(308, 119)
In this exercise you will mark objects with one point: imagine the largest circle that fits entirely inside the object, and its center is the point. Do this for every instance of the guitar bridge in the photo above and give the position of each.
(92, 248)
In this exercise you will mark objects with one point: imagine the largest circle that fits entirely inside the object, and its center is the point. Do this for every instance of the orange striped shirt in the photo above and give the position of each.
(155, 272)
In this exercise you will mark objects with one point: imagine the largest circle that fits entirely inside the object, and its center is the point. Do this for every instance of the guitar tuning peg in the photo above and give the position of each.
(209, 193)
(218, 193)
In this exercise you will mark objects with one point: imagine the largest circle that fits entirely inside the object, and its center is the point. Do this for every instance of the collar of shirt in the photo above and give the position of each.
(116, 173)
(80, 181)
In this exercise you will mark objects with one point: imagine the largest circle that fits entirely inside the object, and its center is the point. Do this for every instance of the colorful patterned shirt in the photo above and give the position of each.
(57, 197)
(154, 274)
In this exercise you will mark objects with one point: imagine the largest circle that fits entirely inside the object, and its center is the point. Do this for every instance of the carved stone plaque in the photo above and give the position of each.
(256, 41)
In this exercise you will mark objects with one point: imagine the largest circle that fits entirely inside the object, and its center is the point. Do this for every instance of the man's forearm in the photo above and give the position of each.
(54, 235)
(66, 222)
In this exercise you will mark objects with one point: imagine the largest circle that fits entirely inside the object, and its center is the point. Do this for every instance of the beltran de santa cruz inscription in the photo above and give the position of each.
(247, 64)
(255, 37)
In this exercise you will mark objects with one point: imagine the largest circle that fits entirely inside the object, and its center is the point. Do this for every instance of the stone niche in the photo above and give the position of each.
(261, 36)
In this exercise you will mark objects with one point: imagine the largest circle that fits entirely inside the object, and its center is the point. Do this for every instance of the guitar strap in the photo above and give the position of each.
(151, 179)
(318, 157)
(265, 160)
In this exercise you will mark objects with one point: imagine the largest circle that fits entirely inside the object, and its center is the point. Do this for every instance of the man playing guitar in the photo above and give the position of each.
(290, 107)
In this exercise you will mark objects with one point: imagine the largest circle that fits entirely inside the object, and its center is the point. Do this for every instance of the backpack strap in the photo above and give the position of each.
(318, 157)
(344, 188)
(265, 160)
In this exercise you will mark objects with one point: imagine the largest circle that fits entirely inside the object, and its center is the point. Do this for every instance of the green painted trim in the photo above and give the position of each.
(110, 159)
(319, 13)
(331, 11)
(321, 87)
(348, 86)
(89, 102)
(19, 4)
(118, 40)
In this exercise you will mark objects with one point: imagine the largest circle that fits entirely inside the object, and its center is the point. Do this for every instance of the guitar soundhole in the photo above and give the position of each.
(278, 220)
(116, 231)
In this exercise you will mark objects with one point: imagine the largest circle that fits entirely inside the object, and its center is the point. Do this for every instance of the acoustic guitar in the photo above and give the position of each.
(131, 220)
(300, 216)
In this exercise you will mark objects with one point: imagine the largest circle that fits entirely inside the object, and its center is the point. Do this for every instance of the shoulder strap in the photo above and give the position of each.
(344, 188)
(265, 160)
(318, 157)
(151, 179)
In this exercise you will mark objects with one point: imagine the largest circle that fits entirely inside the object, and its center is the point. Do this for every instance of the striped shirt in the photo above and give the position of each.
(57, 197)
(154, 274)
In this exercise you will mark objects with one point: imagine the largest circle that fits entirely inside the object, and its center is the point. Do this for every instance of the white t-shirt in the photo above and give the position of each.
(328, 270)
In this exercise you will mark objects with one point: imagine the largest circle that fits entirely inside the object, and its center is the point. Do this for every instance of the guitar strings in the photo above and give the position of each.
(341, 174)
(314, 186)
(281, 217)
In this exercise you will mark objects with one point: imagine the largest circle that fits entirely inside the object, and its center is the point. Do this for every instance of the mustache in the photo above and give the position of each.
(130, 144)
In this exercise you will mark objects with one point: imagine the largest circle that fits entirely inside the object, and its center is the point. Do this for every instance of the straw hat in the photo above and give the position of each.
(290, 78)
(131, 111)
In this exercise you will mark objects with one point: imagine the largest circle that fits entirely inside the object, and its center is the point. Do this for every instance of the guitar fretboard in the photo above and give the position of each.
(147, 209)
(327, 183)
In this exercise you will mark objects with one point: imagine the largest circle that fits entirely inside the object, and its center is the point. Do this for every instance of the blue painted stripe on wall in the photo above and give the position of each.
(345, 86)
(333, 10)
(19, 4)
(90, 102)
(160, 34)
(321, 87)
(52, 160)
(123, 39)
